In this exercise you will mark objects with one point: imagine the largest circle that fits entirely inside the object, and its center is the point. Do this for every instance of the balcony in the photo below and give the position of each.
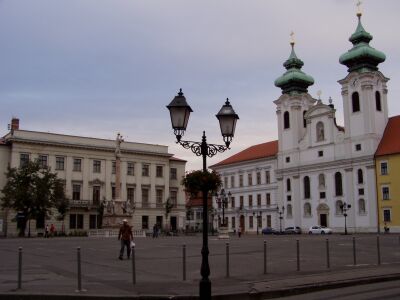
(79, 203)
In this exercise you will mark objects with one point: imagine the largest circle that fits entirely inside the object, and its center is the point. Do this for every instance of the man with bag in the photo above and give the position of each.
(126, 236)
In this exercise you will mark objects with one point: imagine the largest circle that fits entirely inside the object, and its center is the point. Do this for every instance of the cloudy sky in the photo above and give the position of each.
(97, 67)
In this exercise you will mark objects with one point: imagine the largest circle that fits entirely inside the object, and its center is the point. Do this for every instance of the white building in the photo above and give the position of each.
(318, 166)
(149, 175)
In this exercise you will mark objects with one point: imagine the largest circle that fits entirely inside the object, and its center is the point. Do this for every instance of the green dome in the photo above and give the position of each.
(362, 57)
(294, 80)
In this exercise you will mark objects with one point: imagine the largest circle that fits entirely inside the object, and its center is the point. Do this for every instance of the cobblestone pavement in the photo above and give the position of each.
(50, 265)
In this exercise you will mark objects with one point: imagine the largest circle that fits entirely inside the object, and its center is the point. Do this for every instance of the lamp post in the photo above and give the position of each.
(281, 212)
(345, 207)
(223, 199)
(180, 112)
(258, 220)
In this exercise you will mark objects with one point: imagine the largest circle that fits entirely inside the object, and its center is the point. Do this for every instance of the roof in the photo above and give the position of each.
(264, 150)
(177, 159)
(390, 142)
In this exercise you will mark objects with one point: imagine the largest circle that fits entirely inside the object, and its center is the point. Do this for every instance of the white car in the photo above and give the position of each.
(319, 230)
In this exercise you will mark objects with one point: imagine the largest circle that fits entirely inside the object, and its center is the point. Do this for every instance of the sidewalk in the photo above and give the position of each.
(268, 286)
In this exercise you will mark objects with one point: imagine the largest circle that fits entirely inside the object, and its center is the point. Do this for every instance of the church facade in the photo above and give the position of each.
(322, 172)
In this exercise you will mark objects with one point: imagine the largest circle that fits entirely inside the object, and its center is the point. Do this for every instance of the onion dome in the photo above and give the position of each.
(294, 80)
(362, 57)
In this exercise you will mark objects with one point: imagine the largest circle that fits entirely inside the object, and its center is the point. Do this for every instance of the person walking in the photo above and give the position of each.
(46, 231)
(240, 231)
(125, 236)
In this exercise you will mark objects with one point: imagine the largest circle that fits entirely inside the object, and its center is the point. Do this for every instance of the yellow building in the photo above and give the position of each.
(387, 163)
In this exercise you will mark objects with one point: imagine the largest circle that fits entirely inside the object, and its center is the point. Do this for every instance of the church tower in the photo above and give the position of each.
(364, 93)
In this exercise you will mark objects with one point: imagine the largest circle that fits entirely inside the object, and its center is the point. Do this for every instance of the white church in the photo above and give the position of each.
(316, 166)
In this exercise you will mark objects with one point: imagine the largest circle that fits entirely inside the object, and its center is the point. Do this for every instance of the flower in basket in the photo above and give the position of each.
(198, 181)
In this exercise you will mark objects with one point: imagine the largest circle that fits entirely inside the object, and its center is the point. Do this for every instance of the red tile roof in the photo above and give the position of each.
(390, 142)
(264, 150)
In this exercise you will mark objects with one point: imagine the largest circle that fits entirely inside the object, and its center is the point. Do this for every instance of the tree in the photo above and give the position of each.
(32, 191)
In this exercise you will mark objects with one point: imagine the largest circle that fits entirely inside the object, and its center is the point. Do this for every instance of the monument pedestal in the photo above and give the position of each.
(223, 232)
(114, 213)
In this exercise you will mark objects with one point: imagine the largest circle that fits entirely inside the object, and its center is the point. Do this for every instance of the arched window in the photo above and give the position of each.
(321, 180)
(288, 186)
(307, 193)
(361, 206)
(339, 207)
(289, 212)
(307, 210)
(320, 132)
(338, 184)
(355, 101)
(378, 101)
(360, 177)
(286, 121)
(304, 119)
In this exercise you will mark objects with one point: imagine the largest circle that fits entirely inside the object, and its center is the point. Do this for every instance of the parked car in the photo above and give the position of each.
(268, 230)
(292, 230)
(319, 230)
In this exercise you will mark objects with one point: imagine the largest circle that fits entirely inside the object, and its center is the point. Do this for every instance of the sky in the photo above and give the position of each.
(98, 67)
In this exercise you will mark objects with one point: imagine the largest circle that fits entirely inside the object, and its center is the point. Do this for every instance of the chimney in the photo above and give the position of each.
(14, 124)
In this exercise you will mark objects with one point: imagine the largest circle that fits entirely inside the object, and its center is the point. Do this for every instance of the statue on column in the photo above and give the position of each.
(118, 142)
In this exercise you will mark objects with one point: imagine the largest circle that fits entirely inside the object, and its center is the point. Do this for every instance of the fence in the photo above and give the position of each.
(114, 233)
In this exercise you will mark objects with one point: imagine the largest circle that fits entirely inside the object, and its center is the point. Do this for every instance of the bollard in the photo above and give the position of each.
(265, 257)
(354, 251)
(378, 249)
(298, 254)
(184, 262)
(328, 263)
(20, 268)
(227, 260)
(78, 254)
(133, 265)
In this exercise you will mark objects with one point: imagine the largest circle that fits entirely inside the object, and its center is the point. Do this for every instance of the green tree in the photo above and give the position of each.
(32, 191)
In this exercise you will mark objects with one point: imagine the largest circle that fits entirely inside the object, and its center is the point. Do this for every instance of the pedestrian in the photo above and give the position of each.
(52, 230)
(155, 231)
(46, 231)
(125, 236)
(240, 231)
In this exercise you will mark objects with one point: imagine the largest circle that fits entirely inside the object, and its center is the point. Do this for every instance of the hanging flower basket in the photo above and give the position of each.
(197, 181)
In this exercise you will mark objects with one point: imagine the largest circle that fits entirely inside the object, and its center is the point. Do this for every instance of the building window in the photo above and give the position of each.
(72, 221)
(250, 221)
(361, 191)
(232, 202)
(288, 185)
(76, 221)
(360, 177)
(320, 153)
(159, 171)
(355, 100)
(258, 178)
(159, 197)
(96, 195)
(259, 200)
(241, 202)
(287, 159)
(387, 215)
(145, 197)
(339, 207)
(321, 181)
(268, 196)
(145, 170)
(145, 222)
(361, 206)
(322, 195)
(286, 120)
(358, 147)
(173, 196)
(130, 194)
(250, 200)
(289, 198)
(173, 174)
(113, 167)
(76, 192)
(307, 192)
(77, 165)
(250, 179)
(384, 168)
(233, 223)
(304, 119)
(320, 132)
(307, 210)
(130, 168)
(23, 159)
(269, 220)
(42, 161)
(385, 193)
(60, 163)
(241, 180)
(92, 221)
(378, 101)
(226, 182)
(267, 177)
(96, 166)
(338, 184)
(113, 192)
(232, 181)
(289, 212)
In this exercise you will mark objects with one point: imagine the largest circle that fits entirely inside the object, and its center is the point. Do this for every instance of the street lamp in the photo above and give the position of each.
(223, 199)
(345, 207)
(258, 220)
(281, 212)
(180, 112)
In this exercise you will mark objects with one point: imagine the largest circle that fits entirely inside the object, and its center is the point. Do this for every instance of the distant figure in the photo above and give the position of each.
(240, 231)
(125, 236)
(52, 230)
(155, 231)
(46, 231)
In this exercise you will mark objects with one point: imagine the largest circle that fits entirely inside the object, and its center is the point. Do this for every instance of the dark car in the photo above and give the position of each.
(293, 230)
(268, 230)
